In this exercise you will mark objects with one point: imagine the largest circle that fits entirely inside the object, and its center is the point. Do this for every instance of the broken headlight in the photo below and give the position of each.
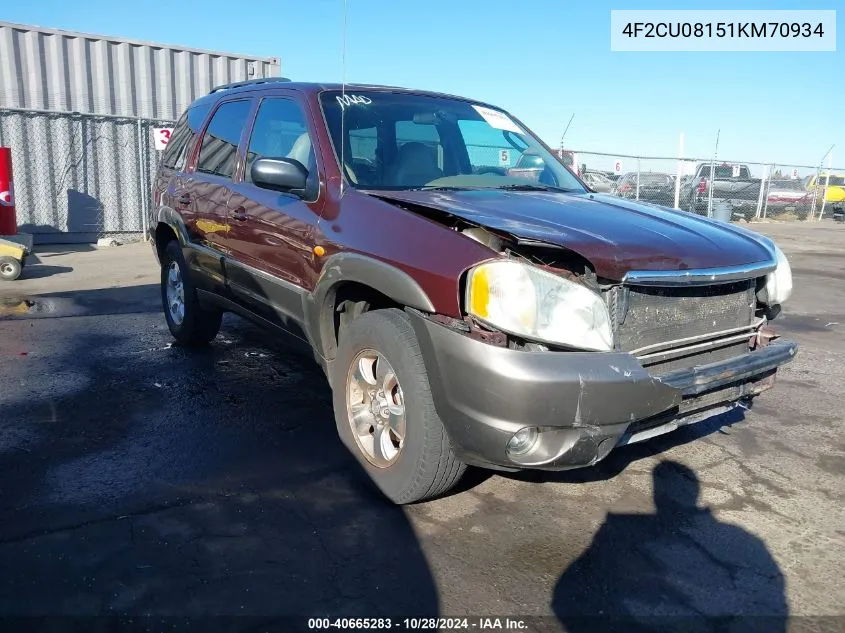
(534, 304)
(779, 281)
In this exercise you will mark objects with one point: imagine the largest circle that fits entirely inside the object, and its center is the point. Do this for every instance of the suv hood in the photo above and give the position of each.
(615, 235)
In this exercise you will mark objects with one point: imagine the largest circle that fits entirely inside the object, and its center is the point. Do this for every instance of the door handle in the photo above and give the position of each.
(238, 214)
(184, 199)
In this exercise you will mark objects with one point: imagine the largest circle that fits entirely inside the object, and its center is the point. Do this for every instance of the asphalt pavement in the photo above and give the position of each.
(139, 478)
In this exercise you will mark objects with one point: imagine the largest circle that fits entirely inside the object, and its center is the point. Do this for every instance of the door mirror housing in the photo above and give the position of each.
(287, 175)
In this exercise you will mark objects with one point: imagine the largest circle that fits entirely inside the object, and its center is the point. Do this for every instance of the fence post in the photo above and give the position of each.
(142, 178)
(767, 185)
(680, 171)
(638, 178)
(826, 183)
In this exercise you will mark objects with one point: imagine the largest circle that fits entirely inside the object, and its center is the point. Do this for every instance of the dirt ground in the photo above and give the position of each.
(139, 478)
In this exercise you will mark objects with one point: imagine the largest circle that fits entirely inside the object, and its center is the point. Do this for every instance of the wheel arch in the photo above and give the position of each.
(350, 277)
(169, 225)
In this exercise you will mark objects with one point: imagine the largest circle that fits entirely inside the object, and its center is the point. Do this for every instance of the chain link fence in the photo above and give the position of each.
(81, 177)
(78, 177)
(741, 191)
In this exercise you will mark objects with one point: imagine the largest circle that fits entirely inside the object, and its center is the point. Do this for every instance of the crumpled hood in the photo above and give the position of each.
(615, 235)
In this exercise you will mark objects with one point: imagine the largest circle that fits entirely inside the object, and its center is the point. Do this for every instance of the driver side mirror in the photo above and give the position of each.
(286, 175)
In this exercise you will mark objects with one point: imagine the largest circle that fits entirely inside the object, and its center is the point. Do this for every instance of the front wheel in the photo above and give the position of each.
(10, 268)
(189, 323)
(384, 409)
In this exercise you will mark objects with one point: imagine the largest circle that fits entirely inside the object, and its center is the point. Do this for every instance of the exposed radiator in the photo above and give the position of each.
(644, 317)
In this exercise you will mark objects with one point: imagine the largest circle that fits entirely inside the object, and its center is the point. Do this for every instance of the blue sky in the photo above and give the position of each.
(542, 60)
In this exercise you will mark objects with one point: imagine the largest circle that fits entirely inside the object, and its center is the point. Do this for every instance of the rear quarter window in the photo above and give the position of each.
(176, 154)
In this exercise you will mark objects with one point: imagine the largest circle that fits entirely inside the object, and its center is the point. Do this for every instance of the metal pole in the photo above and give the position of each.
(826, 182)
(767, 185)
(562, 136)
(712, 176)
(142, 180)
(680, 171)
(638, 179)
(757, 213)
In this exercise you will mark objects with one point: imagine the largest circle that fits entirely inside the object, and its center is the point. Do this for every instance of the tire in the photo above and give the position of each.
(426, 465)
(196, 327)
(10, 268)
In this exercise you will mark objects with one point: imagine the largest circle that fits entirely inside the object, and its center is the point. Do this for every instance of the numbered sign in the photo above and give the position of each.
(735, 171)
(161, 136)
(504, 157)
(794, 174)
(617, 167)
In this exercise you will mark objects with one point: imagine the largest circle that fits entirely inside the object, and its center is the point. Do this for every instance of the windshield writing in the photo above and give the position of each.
(404, 141)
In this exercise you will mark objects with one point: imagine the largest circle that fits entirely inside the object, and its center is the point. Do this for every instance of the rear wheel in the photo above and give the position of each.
(189, 323)
(10, 268)
(384, 410)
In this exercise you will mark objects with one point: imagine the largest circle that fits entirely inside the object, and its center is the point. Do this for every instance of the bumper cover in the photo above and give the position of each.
(584, 403)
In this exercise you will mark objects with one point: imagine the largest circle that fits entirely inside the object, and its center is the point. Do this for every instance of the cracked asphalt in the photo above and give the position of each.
(138, 478)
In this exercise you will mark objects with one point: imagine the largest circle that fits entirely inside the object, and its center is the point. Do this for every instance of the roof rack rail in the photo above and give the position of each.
(250, 82)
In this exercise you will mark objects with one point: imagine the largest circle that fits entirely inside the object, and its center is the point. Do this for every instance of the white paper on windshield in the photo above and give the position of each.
(504, 158)
(498, 120)
(735, 171)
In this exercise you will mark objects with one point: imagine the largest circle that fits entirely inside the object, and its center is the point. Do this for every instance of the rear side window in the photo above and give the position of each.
(219, 149)
(725, 172)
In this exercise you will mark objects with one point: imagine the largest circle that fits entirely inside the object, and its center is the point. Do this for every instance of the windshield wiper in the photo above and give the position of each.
(441, 188)
(528, 187)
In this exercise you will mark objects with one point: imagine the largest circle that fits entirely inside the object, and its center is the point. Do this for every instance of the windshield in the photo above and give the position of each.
(395, 141)
(835, 181)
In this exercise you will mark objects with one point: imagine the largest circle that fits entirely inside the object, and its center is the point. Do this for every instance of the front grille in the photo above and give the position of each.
(644, 316)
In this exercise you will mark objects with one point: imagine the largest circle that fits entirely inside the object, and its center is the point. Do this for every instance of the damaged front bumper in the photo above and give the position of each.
(582, 403)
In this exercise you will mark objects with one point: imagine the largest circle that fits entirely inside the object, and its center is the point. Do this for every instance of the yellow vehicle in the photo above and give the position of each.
(13, 252)
(835, 196)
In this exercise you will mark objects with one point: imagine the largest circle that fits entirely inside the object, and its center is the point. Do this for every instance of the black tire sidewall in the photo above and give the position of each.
(380, 331)
(186, 332)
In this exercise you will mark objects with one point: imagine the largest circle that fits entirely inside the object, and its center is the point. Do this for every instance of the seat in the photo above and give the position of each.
(414, 166)
(301, 150)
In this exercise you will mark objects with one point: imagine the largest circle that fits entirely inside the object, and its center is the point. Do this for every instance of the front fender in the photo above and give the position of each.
(341, 268)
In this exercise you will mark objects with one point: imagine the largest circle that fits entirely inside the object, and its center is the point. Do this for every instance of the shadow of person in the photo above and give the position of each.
(679, 569)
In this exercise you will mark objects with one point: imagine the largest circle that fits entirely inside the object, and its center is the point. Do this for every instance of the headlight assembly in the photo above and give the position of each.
(779, 281)
(531, 303)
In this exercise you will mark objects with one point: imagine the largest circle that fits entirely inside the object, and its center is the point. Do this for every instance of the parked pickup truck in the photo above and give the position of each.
(730, 183)
(463, 311)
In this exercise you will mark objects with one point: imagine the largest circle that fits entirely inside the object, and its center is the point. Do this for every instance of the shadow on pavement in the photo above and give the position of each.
(142, 478)
(40, 271)
(679, 569)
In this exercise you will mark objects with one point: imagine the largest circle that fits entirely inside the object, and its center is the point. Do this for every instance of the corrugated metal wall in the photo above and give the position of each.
(47, 69)
(78, 112)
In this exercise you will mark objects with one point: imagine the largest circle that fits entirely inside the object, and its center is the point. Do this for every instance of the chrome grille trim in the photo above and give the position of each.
(698, 276)
(700, 347)
(681, 343)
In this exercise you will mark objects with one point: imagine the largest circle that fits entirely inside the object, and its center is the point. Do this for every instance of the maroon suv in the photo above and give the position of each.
(464, 309)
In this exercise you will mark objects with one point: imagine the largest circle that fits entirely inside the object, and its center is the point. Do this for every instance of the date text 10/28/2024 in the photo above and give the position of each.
(419, 624)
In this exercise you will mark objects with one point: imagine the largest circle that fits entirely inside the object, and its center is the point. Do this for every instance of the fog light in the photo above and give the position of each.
(523, 441)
